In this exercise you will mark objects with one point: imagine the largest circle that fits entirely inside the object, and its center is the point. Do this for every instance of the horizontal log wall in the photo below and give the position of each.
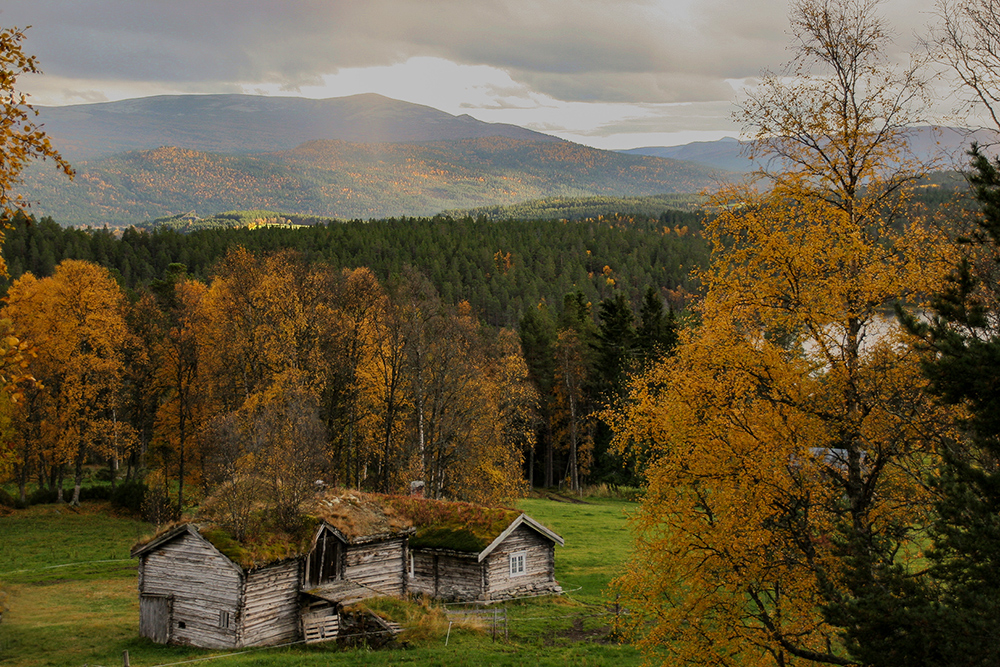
(203, 583)
(378, 565)
(271, 610)
(446, 575)
(539, 564)
(421, 580)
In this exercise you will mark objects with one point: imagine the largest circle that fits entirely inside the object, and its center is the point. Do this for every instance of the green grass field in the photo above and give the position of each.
(68, 589)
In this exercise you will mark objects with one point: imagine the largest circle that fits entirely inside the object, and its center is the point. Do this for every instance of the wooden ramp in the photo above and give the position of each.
(322, 620)
(343, 592)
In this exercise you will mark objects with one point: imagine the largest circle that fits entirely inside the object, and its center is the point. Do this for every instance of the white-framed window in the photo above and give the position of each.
(517, 563)
(225, 619)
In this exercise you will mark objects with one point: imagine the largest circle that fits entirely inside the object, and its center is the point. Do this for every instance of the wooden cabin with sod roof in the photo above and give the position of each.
(199, 586)
(465, 552)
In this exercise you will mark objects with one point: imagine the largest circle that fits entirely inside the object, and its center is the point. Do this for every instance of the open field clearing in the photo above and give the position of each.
(69, 590)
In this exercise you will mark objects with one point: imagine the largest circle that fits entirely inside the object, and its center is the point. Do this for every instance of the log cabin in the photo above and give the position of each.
(465, 552)
(199, 586)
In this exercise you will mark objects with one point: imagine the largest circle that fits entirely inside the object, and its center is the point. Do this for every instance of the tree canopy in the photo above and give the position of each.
(789, 437)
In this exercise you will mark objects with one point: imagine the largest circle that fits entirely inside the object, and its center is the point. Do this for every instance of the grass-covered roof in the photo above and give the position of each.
(457, 526)
(359, 517)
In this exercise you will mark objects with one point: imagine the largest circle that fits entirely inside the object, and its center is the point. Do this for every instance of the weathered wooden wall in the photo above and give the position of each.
(539, 565)
(445, 575)
(271, 608)
(378, 565)
(421, 580)
(203, 583)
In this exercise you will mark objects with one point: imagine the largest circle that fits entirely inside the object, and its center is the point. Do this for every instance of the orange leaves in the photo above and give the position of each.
(790, 420)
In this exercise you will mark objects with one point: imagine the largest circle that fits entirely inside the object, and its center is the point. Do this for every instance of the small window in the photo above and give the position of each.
(224, 619)
(517, 564)
(411, 565)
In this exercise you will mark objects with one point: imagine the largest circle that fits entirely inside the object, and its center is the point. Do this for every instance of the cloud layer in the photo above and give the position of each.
(631, 52)
(584, 50)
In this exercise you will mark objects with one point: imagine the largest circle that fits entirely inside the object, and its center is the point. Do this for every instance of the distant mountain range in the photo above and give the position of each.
(364, 156)
(944, 146)
(255, 124)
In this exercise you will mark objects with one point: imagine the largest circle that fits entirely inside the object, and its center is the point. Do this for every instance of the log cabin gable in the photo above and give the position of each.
(187, 529)
(522, 520)
(326, 560)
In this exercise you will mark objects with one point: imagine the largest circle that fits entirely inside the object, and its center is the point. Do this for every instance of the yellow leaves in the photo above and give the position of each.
(791, 413)
(74, 322)
(20, 140)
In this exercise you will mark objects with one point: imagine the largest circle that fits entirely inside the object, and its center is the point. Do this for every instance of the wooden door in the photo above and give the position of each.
(320, 623)
(155, 614)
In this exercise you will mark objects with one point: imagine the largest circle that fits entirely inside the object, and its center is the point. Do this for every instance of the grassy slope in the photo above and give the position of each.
(88, 613)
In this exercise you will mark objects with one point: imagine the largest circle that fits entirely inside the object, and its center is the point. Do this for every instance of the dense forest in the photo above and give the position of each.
(384, 340)
(346, 180)
(501, 268)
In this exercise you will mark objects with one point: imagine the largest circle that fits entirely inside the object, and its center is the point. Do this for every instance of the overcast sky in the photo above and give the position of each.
(606, 73)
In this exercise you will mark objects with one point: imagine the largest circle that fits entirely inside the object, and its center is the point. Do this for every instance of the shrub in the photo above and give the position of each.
(95, 492)
(129, 496)
(43, 496)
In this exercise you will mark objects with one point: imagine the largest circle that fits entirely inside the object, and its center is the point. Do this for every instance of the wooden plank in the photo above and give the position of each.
(320, 624)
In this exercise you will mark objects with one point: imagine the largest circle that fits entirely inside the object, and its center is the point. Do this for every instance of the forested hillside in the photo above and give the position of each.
(254, 124)
(350, 180)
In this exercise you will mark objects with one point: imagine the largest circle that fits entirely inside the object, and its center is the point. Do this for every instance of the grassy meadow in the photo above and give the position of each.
(68, 591)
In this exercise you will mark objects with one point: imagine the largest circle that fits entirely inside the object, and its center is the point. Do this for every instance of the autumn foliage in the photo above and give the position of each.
(790, 436)
(275, 374)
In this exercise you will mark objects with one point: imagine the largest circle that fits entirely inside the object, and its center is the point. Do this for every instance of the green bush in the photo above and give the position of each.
(43, 496)
(130, 496)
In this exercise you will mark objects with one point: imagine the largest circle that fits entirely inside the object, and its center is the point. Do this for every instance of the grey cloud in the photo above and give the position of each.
(629, 87)
(707, 116)
(574, 50)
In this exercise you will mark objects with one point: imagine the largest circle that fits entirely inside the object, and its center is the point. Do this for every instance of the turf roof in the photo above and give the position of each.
(456, 526)
(359, 516)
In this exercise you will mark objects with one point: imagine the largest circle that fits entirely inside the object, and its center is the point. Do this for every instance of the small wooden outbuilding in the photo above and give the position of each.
(464, 552)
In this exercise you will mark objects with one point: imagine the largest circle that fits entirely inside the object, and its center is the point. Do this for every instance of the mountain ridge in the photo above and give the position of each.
(346, 180)
(237, 123)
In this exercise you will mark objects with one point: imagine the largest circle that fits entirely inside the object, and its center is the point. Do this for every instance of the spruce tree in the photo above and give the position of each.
(962, 339)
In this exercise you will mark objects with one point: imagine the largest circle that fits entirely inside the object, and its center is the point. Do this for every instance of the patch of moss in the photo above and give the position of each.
(445, 537)
(266, 544)
(452, 525)
(225, 543)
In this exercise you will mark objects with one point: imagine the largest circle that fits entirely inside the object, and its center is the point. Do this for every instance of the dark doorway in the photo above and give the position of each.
(324, 561)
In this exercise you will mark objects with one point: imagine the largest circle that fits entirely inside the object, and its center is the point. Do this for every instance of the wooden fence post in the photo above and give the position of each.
(125, 662)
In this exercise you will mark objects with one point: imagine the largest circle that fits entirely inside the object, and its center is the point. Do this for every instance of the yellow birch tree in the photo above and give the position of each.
(788, 438)
(76, 319)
